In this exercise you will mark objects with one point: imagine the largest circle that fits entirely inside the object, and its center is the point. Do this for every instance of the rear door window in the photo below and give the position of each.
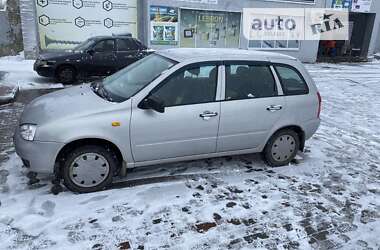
(244, 81)
(126, 45)
(291, 80)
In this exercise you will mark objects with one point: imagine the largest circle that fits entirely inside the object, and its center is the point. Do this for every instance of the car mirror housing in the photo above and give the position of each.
(91, 52)
(152, 102)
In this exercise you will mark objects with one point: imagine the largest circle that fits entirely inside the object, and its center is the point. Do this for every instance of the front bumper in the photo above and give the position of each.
(45, 70)
(38, 156)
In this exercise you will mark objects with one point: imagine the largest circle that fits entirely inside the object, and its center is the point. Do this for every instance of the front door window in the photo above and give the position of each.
(192, 85)
(105, 46)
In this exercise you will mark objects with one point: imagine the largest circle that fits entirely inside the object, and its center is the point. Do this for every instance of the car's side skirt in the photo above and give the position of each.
(195, 157)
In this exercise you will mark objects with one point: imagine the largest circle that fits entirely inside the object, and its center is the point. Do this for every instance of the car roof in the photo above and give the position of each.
(107, 37)
(206, 54)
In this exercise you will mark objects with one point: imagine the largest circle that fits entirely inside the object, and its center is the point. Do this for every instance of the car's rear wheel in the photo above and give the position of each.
(281, 148)
(89, 169)
(66, 74)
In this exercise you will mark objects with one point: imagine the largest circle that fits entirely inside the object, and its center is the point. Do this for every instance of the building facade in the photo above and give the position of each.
(218, 23)
(161, 24)
(364, 30)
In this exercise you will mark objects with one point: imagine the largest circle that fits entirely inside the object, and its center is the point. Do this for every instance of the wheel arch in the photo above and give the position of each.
(82, 142)
(300, 132)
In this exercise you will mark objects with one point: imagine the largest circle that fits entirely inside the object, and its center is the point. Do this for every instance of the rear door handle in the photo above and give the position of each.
(274, 108)
(208, 114)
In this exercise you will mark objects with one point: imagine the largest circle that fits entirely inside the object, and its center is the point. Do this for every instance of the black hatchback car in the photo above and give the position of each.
(97, 56)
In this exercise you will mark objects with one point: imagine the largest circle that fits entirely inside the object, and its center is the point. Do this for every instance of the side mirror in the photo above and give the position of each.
(91, 52)
(152, 102)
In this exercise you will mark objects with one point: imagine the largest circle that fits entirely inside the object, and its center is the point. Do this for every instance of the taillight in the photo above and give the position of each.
(319, 104)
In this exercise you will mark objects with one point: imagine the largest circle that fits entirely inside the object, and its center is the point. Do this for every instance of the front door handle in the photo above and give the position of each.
(274, 108)
(207, 115)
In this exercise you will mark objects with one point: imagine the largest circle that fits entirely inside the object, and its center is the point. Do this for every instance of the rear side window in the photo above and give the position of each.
(126, 45)
(291, 80)
(249, 81)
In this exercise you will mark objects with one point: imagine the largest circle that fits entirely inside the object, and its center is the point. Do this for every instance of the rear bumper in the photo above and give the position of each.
(311, 127)
(38, 156)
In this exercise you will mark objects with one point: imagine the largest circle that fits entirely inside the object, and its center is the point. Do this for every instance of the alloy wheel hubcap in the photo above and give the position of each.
(89, 170)
(66, 74)
(283, 148)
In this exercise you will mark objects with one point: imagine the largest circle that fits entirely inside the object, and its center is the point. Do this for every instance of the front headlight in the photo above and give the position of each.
(47, 62)
(27, 131)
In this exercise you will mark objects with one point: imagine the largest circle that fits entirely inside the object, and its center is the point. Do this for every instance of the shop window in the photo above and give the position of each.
(274, 44)
(209, 29)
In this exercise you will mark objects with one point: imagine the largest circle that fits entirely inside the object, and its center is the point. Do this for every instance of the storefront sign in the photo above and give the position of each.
(62, 24)
(361, 5)
(205, 29)
(163, 25)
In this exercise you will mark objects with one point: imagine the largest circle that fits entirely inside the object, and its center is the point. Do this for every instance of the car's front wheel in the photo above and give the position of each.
(281, 148)
(66, 74)
(89, 169)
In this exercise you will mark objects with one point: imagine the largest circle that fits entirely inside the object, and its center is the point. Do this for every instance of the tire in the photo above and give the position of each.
(66, 74)
(89, 169)
(281, 148)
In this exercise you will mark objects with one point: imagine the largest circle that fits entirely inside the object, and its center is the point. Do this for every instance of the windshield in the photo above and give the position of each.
(84, 45)
(128, 81)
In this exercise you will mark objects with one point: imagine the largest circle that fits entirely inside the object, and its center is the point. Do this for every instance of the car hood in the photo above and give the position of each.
(60, 54)
(64, 104)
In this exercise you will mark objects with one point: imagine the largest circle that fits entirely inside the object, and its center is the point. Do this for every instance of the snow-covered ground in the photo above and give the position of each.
(19, 72)
(331, 199)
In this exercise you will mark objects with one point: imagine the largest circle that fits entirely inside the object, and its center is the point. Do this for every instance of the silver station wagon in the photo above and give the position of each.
(173, 105)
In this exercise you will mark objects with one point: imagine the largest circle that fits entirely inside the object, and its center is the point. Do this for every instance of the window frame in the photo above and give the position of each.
(217, 64)
(279, 92)
(296, 71)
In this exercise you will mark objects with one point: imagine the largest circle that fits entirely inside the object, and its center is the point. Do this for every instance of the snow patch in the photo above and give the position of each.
(19, 73)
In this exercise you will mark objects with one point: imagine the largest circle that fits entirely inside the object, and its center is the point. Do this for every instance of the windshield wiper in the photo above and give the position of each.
(101, 91)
